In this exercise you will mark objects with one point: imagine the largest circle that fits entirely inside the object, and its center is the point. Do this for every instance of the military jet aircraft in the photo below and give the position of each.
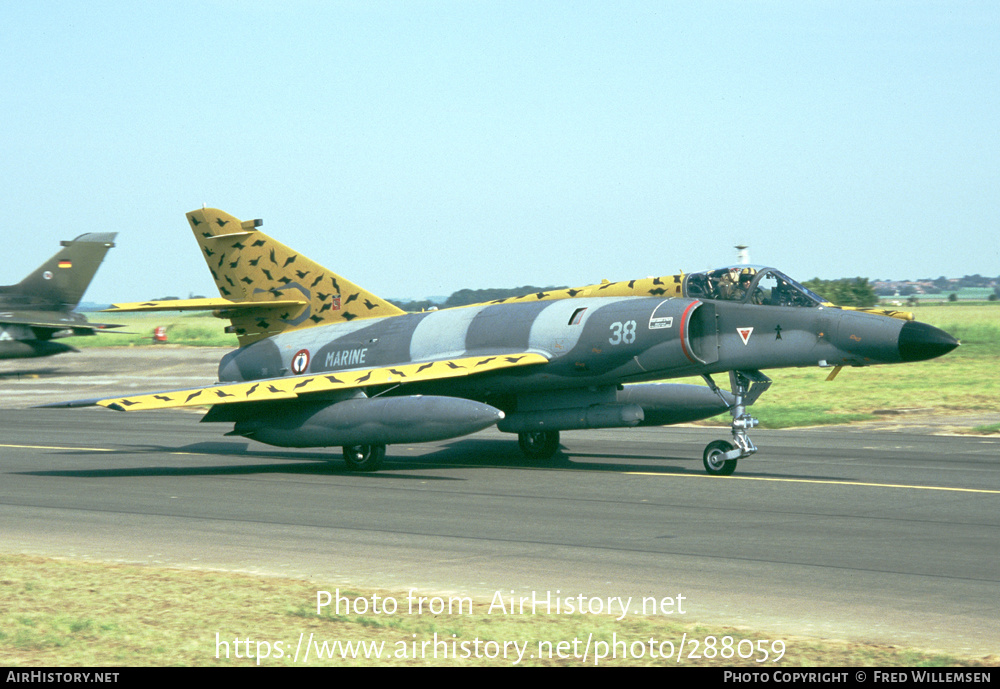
(39, 309)
(323, 362)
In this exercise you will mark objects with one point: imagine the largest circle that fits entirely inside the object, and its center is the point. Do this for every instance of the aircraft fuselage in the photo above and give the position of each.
(595, 341)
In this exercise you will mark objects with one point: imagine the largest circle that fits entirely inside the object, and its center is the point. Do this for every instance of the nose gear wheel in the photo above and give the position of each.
(720, 456)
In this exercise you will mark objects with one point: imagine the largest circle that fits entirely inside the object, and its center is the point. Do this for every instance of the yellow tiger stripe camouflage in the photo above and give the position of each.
(289, 387)
(266, 287)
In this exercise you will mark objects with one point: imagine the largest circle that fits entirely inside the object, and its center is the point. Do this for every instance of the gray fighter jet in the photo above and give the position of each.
(322, 362)
(39, 309)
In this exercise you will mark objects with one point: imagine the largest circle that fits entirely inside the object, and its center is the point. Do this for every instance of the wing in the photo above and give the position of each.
(224, 305)
(55, 323)
(296, 386)
(256, 316)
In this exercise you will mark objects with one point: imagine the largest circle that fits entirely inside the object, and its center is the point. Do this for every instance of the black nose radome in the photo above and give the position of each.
(919, 341)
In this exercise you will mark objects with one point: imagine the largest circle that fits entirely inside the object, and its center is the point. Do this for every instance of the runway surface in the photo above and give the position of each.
(835, 533)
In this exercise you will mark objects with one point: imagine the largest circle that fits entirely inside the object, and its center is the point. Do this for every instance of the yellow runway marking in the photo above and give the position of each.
(640, 473)
(829, 482)
(54, 447)
(80, 449)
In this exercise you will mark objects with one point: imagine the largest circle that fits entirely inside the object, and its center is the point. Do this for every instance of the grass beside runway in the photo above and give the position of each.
(60, 613)
(954, 384)
(198, 329)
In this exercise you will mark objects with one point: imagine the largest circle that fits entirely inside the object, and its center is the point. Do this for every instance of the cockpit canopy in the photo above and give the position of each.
(750, 284)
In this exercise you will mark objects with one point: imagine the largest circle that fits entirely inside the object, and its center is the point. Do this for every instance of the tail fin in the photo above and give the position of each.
(249, 266)
(60, 282)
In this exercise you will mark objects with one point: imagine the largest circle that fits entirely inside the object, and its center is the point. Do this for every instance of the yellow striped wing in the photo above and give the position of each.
(296, 386)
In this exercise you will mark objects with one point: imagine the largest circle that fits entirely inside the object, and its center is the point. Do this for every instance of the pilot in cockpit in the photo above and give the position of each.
(743, 287)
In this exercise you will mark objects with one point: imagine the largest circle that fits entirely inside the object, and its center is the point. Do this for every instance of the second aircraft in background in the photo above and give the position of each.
(39, 310)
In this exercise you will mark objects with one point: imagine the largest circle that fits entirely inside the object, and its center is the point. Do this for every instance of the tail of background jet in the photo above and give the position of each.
(59, 283)
(252, 268)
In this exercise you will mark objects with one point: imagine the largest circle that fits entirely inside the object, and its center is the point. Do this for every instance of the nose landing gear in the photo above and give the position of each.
(720, 456)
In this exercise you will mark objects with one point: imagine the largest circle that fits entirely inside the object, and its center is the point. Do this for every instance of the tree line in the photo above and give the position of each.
(842, 292)
(845, 291)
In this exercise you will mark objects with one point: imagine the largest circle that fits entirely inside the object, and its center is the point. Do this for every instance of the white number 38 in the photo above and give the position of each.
(622, 332)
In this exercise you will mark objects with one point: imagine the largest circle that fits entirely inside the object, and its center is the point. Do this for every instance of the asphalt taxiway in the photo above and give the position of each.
(835, 533)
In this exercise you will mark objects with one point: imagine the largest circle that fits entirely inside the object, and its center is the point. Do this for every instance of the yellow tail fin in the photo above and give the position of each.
(249, 266)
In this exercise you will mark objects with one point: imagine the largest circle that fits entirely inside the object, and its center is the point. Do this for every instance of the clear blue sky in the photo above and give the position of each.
(417, 147)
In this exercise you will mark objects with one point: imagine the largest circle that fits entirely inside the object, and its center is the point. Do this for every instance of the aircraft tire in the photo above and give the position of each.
(364, 457)
(538, 444)
(715, 466)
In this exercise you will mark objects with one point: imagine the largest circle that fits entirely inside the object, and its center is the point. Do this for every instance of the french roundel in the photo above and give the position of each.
(300, 362)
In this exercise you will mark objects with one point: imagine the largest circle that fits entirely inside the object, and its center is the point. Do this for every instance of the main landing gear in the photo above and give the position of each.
(364, 457)
(539, 444)
(720, 456)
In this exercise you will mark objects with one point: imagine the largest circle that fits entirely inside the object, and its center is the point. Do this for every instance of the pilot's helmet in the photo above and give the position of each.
(746, 275)
(733, 274)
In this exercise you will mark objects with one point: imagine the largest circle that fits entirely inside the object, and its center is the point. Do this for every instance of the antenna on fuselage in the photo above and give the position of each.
(742, 253)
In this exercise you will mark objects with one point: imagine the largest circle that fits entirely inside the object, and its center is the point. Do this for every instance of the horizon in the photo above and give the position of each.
(440, 299)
